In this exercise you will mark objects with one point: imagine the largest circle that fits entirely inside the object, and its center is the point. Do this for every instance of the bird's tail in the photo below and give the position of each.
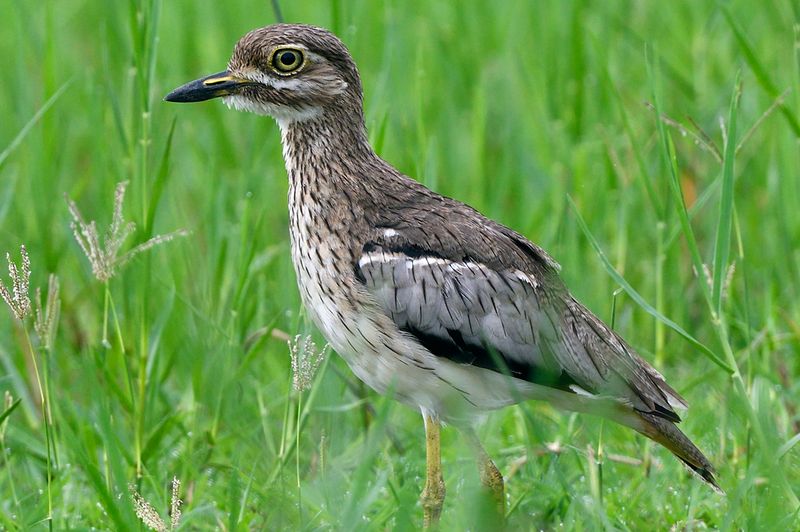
(660, 430)
(665, 432)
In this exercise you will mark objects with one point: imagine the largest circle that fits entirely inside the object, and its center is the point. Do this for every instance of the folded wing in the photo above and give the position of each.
(507, 320)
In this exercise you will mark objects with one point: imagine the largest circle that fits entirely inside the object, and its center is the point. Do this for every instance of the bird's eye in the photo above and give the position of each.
(287, 61)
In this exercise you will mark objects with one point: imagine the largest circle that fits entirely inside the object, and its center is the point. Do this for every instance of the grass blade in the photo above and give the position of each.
(162, 176)
(759, 70)
(668, 150)
(786, 447)
(722, 247)
(14, 144)
(10, 409)
(647, 307)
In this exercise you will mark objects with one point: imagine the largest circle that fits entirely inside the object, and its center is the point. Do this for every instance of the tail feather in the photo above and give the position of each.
(667, 434)
(653, 425)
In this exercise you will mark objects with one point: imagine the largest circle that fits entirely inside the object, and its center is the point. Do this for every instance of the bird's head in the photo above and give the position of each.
(291, 72)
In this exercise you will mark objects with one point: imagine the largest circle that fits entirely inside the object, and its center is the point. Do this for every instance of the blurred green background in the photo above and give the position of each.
(513, 107)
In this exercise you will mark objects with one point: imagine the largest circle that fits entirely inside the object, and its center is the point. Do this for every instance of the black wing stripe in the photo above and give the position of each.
(455, 348)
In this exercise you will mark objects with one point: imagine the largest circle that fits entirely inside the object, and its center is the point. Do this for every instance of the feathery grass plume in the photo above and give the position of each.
(148, 514)
(19, 302)
(105, 258)
(17, 298)
(46, 319)
(175, 503)
(726, 283)
(305, 361)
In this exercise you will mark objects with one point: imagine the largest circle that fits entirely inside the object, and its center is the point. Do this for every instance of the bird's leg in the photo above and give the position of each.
(490, 475)
(433, 494)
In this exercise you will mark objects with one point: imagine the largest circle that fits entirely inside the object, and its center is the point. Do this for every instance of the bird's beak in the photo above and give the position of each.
(213, 86)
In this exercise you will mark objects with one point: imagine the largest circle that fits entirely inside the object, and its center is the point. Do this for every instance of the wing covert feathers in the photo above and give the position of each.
(475, 292)
(511, 322)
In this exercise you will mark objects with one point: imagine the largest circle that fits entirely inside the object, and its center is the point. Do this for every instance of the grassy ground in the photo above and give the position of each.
(178, 365)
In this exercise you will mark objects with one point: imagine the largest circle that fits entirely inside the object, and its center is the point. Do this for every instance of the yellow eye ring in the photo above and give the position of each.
(287, 61)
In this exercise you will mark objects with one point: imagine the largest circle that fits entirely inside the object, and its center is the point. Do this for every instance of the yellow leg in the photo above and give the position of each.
(433, 494)
(490, 475)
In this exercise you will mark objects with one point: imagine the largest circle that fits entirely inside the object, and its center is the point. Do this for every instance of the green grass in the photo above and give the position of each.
(514, 107)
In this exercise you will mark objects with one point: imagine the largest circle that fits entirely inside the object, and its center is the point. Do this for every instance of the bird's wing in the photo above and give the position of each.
(519, 321)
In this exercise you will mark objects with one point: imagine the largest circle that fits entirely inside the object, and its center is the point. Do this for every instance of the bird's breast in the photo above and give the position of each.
(321, 253)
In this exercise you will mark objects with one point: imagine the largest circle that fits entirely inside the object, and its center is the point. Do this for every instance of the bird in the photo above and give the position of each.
(423, 296)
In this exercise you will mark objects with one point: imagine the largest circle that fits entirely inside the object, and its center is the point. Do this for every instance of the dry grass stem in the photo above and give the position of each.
(105, 257)
(259, 333)
(305, 361)
(46, 319)
(17, 297)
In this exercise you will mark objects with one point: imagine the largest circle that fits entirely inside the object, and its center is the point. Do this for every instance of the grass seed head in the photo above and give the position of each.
(148, 514)
(105, 258)
(46, 318)
(17, 297)
(305, 361)
(726, 282)
(175, 504)
(145, 511)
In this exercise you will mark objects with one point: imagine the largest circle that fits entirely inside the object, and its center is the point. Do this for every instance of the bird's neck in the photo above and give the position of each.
(328, 151)
(331, 169)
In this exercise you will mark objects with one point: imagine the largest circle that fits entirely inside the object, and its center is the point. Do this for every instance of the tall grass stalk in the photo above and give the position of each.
(17, 298)
(9, 405)
(46, 422)
(290, 440)
(713, 295)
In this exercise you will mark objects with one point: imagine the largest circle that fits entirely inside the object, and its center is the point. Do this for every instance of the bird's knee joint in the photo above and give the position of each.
(433, 494)
(432, 500)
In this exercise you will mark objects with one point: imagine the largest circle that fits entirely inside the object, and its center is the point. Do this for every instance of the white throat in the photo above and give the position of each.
(283, 115)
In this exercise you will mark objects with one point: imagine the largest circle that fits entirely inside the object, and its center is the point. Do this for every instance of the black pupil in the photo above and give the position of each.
(288, 58)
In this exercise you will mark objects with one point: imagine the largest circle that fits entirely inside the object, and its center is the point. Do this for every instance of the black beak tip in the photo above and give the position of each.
(200, 90)
(174, 96)
(190, 92)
